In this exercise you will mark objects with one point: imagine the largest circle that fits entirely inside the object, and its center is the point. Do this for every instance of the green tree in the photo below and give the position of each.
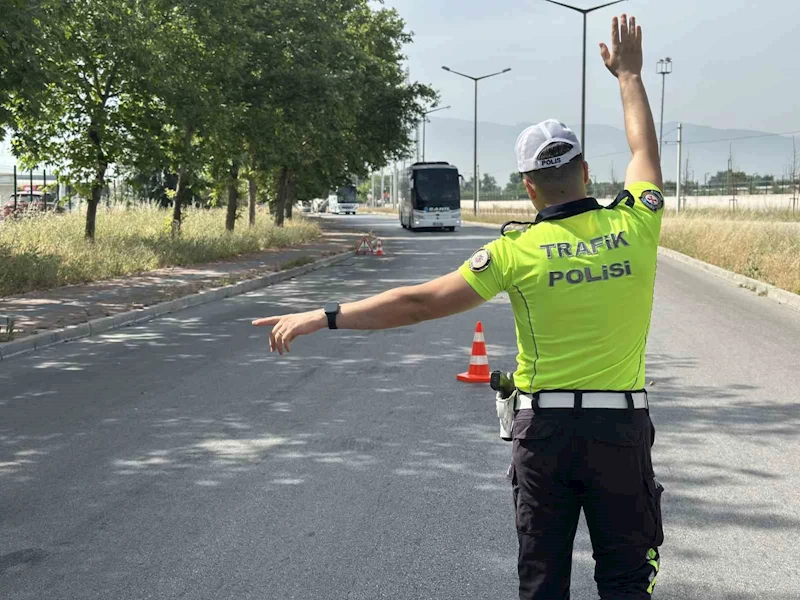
(345, 105)
(515, 185)
(202, 59)
(721, 178)
(19, 62)
(489, 183)
(96, 59)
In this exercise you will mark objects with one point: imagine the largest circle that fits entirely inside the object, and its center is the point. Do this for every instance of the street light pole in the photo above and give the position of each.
(585, 12)
(475, 148)
(664, 68)
(424, 121)
(475, 187)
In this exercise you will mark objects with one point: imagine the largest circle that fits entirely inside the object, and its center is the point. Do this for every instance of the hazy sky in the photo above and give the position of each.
(735, 66)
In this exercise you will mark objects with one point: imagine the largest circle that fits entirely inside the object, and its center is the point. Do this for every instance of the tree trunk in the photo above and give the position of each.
(252, 189)
(180, 192)
(233, 197)
(181, 187)
(94, 201)
(99, 180)
(280, 197)
(291, 193)
(91, 210)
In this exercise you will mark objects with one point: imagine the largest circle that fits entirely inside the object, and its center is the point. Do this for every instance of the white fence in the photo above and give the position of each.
(754, 202)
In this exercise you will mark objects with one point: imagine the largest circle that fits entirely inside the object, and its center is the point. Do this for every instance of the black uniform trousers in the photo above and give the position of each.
(597, 460)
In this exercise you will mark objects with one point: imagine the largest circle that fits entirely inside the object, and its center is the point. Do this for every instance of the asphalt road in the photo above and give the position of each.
(179, 459)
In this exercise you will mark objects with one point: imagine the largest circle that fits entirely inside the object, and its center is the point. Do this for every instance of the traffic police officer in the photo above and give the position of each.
(581, 282)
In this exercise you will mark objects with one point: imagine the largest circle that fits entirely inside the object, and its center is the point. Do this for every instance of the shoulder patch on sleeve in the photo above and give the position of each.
(480, 261)
(652, 199)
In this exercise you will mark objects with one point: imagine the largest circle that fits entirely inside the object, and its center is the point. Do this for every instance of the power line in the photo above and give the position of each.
(611, 154)
(734, 139)
(671, 132)
(746, 137)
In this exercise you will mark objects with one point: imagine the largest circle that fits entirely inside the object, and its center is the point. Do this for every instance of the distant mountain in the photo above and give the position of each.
(452, 140)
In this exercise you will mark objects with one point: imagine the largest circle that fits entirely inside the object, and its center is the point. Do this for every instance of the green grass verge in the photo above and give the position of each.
(48, 251)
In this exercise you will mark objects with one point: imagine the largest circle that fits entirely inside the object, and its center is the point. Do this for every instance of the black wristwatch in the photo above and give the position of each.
(331, 310)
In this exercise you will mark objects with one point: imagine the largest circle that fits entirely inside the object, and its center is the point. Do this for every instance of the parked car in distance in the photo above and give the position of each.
(30, 202)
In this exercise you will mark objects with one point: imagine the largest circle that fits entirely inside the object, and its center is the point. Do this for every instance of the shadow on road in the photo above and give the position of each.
(195, 409)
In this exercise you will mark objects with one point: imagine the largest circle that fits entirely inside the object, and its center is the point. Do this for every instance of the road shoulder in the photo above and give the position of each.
(62, 314)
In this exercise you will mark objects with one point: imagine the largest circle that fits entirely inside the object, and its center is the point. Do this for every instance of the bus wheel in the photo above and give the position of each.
(450, 228)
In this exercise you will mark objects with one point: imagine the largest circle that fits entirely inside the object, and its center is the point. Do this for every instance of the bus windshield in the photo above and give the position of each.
(346, 195)
(437, 188)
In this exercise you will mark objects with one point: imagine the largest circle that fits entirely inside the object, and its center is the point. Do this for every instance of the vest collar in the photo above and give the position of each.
(567, 209)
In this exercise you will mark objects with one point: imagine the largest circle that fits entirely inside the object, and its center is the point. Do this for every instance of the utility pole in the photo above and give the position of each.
(687, 180)
(394, 186)
(391, 186)
(478, 181)
(731, 182)
(794, 175)
(678, 180)
(664, 68)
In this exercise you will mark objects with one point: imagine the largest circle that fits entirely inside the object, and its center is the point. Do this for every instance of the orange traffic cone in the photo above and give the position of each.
(379, 249)
(479, 361)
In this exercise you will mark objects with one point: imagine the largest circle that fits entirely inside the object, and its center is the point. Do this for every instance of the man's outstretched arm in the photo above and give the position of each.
(399, 307)
(625, 61)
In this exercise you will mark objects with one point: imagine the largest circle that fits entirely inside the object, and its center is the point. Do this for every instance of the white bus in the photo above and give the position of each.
(430, 197)
(343, 202)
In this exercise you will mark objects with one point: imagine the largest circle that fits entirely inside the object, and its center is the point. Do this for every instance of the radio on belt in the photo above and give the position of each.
(505, 399)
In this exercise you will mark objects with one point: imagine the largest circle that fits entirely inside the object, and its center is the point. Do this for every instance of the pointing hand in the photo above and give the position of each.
(286, 328)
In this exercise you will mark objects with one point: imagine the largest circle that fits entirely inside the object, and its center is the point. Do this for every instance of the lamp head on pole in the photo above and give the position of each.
(446, 68)
(664, 66)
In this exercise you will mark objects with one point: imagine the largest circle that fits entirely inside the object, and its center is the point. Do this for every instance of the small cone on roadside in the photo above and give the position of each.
(479, 361)
(379, 249)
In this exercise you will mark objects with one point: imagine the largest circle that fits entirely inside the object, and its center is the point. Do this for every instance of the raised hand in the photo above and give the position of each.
(625, 57)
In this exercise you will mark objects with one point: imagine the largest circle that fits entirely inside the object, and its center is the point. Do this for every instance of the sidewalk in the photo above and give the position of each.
(36, 312)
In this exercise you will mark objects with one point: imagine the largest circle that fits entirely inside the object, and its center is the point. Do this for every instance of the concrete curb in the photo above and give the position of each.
(96, 326)
(759, 287)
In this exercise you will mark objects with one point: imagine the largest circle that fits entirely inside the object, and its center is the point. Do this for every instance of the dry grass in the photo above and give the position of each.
(499, 217)
(48, 251)
(765, 250)
(761, 244)
(772, 215)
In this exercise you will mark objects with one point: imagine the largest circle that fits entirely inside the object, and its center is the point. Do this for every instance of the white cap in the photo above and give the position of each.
(536, 138)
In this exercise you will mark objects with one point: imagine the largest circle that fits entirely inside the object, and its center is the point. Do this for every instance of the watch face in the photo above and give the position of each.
(332, 308)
